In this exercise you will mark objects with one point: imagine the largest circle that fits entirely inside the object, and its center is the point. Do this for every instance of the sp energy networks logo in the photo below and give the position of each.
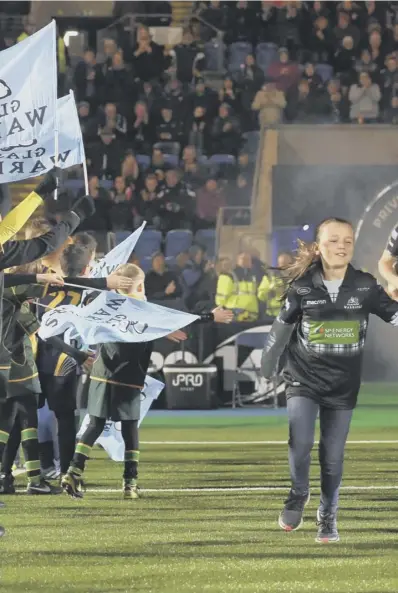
(353, 303)
(334, 332)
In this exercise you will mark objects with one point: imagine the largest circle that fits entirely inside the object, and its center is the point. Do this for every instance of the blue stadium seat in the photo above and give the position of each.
(220, 163)
(168, 147)
(74, 185)
(171, 159)
(149, 242)
(143, 160)
(215, 55)
(171, 262)
(177, 241)
(238, 53)
(120, 236)
(146, 263)
(266, 53)
(252, 141)
(106, 184)
(207, 238)
(325, 71)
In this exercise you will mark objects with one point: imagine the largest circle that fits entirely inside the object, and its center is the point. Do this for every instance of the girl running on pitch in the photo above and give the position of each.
(322, 325)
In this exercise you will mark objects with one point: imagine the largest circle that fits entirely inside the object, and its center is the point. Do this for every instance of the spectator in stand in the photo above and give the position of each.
(366, 64)
(301, 103)
(209, 200)
(376, 49)
(389, 81)
(284, 72)
(374, 11)
(250, 80)
(148, 59)
(121, 216)
(174, 98)
(352, 9)
(130, 170)
(345, 28)
(161, 284)
(215, 14)
(158, 164)
(228, 94)
(314, 80)
(344, 61)
(241, 22)
(204, 97)
(321, 40)
(339, 102)
(112, 120)
(364, 98)
(140, 133)
(394, 38)
(147, 205)
(88, 79)
(118, 83)
(194, 173)
(238, 291)
(104, 158)
(265, 22)
(270, 103)
(226, 133)
(148, 96)
(109, 50)
(198, 130)
(240, 191)
(88, 123)
(190, 60)
(100, 220)
(288, 26)
(169, 128)
(177, 203)
(391, 112)
(193, 276)
(29, 27)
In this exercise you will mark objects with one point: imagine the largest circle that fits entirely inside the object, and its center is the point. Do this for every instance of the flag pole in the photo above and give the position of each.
(56, 139)
(72, 94)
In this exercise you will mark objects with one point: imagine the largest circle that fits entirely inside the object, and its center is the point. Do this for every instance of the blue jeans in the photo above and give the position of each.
(334, 425)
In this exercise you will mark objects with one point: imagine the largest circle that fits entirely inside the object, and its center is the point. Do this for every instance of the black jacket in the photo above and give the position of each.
(324, 340)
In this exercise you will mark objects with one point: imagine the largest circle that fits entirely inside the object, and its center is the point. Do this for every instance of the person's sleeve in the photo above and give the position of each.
(225, 288)
(392, 245)
(18, 216)
(17, 253)
(18, 279)
(60, 345)
(263, 289)
(281, 332)
(383, 305)
(96, 283)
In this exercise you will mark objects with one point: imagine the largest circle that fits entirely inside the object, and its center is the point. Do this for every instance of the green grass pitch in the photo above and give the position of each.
(209, 541)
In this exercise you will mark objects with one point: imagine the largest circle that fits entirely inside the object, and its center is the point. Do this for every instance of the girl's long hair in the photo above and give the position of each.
(306, 256)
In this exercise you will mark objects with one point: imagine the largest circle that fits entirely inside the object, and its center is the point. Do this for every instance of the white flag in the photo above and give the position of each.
(111, 437)
(28, 99)
(117, 256)
(113, 317)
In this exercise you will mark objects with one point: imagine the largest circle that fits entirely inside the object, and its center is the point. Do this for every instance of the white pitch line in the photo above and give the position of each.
(237, 489)
(255, 442)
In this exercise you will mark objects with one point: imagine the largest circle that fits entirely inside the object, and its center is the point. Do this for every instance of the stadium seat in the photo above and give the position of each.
(74, 185)
(149, 242)
(171, 262)
(219, 163)
(325, 71)
(266, 53)
(207, 238)
(168, 147)
(215, 55)
(177, 241)
(106, 184)
(171, 159)
(238, 53)
(146, 263)
(120, 236)
(143, 160)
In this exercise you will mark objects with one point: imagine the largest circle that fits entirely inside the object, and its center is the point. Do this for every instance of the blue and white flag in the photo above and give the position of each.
(111, 437)
(112, 317)
(28, 104)
(117, 256)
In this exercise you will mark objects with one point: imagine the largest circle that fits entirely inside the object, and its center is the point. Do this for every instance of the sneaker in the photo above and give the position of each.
(130, 490)
(2, 505)
(7, 484)
(2, 531)
(43, 487)
(327, 528)
(51, 473)
(291, 518)
(73, 485)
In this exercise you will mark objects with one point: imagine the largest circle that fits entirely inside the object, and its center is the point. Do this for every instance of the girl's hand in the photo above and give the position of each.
(50, 279)
(177, 336)
(115, 282)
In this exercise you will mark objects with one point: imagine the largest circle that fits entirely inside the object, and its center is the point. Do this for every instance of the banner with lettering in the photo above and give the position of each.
(112, 317)
(28, 103)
